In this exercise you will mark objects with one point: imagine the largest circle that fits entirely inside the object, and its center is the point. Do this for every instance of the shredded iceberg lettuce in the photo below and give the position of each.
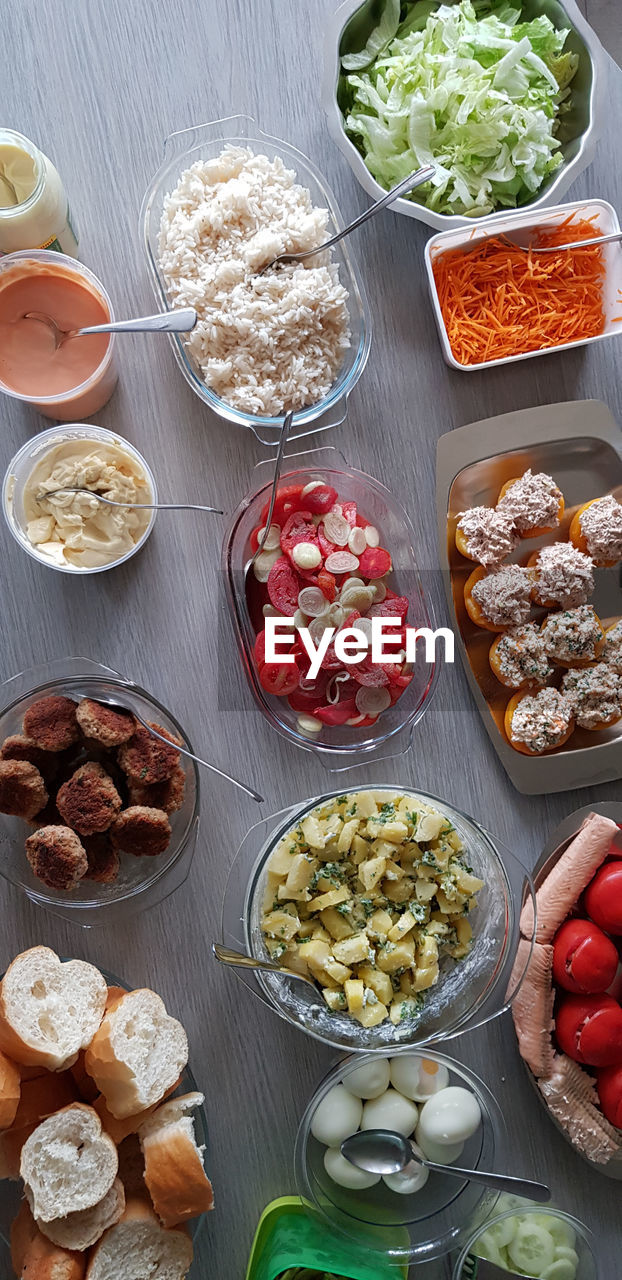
(469, 88)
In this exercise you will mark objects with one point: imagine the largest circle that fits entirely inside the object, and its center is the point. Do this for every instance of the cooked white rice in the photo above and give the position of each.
(265, 344)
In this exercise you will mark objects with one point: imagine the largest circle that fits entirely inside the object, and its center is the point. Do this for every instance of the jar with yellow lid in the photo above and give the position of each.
(34, 210)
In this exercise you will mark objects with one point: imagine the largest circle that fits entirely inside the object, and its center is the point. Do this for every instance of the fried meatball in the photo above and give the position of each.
(146, 759)
(51, 723)
(104, 724)
(168, 795)
(22, 789)
(141, 831)
(19, 747)
(103, 859)
(57, 857)
(89, 800)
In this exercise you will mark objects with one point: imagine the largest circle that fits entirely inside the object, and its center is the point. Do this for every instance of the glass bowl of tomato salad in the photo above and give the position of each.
(340, 552)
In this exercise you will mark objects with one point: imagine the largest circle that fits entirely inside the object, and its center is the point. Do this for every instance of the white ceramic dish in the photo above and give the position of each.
(605, 222)
(583, 127)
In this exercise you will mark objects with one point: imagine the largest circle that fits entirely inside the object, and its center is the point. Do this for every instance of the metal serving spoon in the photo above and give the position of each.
(138, 506)
(118, 706)
(238, 960)
(383, 1151)
(520, 239)
(180, 321)
(285, 430)
(407, 184)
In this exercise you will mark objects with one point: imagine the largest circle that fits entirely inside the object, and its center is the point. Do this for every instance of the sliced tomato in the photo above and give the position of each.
(362, 522)
(260, 648)
(321, 499)
(391, 607)
(304, 702)
(288, 499)
(374, 562)
(299, 527)
(339, 713)
(283, 587)
(373, 677)
(349, 512)
(279, 678)
(328, 584)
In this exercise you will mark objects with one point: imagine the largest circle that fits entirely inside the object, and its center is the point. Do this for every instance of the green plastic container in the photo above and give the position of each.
(289, 1234)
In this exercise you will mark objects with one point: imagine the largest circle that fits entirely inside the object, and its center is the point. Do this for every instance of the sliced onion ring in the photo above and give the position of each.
(312, 601)
(371, 701)
(337, 529)
(341, 562)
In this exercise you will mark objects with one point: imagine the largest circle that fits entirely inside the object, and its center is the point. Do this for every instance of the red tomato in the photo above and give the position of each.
(321, 499)
(393, 607)
(349, 512)
(299, 527)
(362, 522)
(589, 1029)
(283, 587)
(304, 703)
(374, 562)
(603, 898)
(584, 958)
(339, 713)
(260, 648)
(279, 678)
(372, 677)
(609, 1084)
(288, 499)
(328, 584)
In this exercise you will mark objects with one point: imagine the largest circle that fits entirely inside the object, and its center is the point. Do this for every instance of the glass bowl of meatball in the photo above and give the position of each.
(98, 816)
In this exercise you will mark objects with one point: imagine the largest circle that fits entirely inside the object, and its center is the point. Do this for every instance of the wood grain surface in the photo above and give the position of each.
(100, 85)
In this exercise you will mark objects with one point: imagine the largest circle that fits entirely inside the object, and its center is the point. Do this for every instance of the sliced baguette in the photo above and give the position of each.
(137, 1053)
(49, 1010)
(36, 1258)
(82, 1229)
(174, 1174)
(68, 1163)
(119, 1130)
(41, 1096)
(10, 1089)
(138, 1247)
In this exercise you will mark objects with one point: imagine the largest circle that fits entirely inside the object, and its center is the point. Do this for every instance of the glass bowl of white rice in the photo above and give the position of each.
(225, 202)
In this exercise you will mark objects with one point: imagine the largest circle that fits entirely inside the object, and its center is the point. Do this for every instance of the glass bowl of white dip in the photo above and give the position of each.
(75, 533)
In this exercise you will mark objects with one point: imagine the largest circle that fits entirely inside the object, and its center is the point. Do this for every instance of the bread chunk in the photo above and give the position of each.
(137, 1054)
(68, 1164)
(49, 1010)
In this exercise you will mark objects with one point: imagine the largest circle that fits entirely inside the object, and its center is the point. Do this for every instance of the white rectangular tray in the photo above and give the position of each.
(581, 444)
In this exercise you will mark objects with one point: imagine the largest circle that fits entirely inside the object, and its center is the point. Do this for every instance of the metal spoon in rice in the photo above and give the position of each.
(407, 184)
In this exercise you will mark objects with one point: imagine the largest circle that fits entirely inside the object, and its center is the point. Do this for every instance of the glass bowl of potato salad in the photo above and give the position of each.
(401, 907)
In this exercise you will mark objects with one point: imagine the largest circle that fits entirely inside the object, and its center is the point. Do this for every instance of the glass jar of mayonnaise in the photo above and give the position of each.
(34, 210)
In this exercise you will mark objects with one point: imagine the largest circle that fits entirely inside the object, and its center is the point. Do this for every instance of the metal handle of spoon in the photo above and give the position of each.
(180, 321)
(285, 430)
(574, 244)
(136, 506)
(238, 960)
(500, 1181)
(206, 764)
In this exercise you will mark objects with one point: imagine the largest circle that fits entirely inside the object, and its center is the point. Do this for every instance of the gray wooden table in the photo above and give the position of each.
(99, 86)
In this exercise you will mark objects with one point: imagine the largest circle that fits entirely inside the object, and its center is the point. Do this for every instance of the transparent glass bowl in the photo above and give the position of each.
(11, 1197)
(415, 1228)
(142, 882)
(587, 1267)
(205, 142)
(468, 994)
(21, 466)
(338, 746)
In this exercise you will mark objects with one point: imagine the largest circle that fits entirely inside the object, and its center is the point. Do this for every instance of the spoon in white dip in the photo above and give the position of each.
(136, 506)
(180, 321)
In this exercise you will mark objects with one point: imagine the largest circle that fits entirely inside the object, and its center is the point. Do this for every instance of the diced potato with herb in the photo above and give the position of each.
(396, 955)
(339, 973)
(371, 1015)
(403, 926)
(404, 1010)
(429, 827)
(398, 890)
(285, 894)
(355, 994)
(377, 981)
(379, 924)
(330, 899)
(335, 1000)
(371, 872)
(312, 832)
(337, 924)
(347, 834)
(427, 951)
(466, 882)
(352, 950)
(280, 924)
(425, 890)
(395, 832)
(424, 978)
(300, 872)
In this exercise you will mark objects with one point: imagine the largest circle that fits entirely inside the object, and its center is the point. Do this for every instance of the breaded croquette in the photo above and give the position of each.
(89, 800)
(146, 759)
(104, 724)
(51, 723)
(103, 859)
(141, 831)
(57, 857)
(168, 795)
(22, 789)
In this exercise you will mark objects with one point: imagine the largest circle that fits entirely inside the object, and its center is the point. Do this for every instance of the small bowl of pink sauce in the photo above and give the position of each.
(71, 381)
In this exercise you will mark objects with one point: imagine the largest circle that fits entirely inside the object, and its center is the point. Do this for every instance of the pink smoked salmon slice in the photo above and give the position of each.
(532, 1009)
(570, 1096)
(564, 885)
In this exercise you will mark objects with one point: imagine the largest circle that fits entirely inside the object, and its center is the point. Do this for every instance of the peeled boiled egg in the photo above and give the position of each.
(406, 1183)
(453, 1115)
(439, 1153)
(370, 1081)
(336, 1117)
(416, 1077)
(390, 1111)
(346, 1174)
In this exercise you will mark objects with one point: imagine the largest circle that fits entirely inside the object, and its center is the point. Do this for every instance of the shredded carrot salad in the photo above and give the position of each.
(498, 301)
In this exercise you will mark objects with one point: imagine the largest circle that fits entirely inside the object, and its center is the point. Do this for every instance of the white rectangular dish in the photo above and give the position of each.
(605, 222)
(581, 444)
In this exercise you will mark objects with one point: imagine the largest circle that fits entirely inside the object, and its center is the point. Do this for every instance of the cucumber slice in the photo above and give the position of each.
(560, 1269)
(506, 1202)
(533, 1248)
(502, 1232)
(564, 1251)
(486, 1248)
(561, 1231)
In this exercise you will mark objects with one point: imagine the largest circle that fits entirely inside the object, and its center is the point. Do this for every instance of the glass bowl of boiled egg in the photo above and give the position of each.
(447, 1113)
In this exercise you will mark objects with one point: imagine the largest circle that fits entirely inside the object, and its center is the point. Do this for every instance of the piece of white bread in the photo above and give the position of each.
(82, 1229)
(49, 1010)
(68, 1163)
(174, 1174)
(36, 1258)
(138, 1247)
(137, 1053)
(10, 1089)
